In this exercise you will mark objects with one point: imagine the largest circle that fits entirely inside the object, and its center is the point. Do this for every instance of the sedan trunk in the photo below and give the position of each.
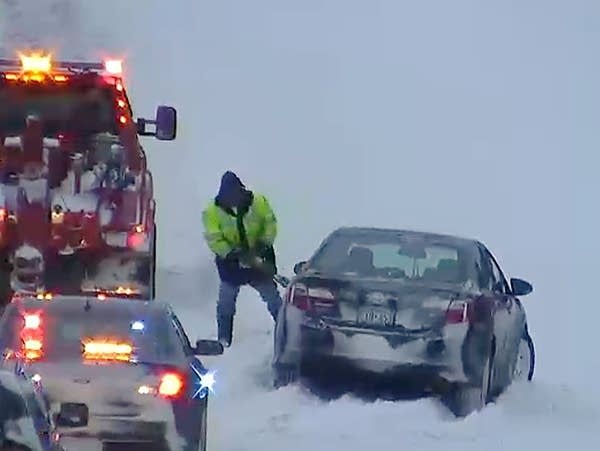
(377, 304)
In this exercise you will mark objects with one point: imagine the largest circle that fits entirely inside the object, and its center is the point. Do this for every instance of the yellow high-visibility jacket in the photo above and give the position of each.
(221, 231)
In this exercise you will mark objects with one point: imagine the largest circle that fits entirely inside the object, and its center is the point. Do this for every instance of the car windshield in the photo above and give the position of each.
(62, 334)
(62, 108)
(416, 258)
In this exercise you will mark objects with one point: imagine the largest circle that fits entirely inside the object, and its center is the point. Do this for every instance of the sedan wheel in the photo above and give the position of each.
(486, 383)
(525, 363)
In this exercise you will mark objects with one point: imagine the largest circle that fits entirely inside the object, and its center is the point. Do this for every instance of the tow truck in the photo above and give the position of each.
(77, 207)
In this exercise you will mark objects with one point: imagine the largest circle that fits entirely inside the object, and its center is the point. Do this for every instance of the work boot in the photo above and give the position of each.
(225, 327)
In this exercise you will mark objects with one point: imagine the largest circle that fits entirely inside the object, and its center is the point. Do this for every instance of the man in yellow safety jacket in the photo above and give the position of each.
(240, 228)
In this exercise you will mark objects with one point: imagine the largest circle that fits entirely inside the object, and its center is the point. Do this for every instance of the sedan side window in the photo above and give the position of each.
(484, 271)
(185, 342)
(494, 280)
(500, 284)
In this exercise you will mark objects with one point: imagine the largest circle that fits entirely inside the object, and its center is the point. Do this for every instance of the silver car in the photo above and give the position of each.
(429, 312)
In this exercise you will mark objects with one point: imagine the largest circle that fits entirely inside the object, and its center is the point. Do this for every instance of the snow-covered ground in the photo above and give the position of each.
(468, 117)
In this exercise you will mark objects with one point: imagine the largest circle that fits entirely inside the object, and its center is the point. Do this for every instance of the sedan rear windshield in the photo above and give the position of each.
(391, 256)
(63, 333)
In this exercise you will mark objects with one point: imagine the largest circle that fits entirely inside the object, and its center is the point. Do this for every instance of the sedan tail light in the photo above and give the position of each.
(458, 312)
(307, 298)
(298, 296)
(32, 336)
(171, 385)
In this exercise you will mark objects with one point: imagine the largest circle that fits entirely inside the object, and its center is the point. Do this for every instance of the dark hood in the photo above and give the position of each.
(232, 192)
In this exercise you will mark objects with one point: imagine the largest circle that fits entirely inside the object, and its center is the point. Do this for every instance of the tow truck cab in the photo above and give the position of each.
(75, 190)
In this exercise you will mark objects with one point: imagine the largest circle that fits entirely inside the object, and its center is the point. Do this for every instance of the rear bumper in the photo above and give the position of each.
(311, 343)
(68, 244)
(158, 432)
(116, 239)
(120, 430)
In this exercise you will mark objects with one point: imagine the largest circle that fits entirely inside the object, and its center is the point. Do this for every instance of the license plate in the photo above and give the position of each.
(116, 239)
(87, 443)
(73, 415)
(374, 316)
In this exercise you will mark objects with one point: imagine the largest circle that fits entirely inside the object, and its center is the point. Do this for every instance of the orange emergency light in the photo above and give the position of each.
(106, 349)
(35, 63)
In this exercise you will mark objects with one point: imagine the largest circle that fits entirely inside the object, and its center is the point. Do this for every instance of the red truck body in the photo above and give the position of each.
(76, 194)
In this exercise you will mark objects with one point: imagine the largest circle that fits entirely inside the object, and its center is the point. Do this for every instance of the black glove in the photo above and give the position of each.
(258, 259)
(262, 249)
(249, 259)
(257, 254)
(234, 254)
(268, 269)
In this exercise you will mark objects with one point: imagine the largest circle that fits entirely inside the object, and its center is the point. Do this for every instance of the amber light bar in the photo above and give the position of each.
(37, 63)
(107, 350)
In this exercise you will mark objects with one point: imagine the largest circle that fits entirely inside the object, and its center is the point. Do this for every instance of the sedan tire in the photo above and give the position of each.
(525, 362)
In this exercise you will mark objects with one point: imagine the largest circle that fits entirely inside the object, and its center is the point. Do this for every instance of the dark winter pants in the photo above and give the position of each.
(228, 294)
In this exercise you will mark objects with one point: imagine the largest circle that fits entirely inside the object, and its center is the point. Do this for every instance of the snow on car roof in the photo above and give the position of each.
(362, 231)
(74, 302)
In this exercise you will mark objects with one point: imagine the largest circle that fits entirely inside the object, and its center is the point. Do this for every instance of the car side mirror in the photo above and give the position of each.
(165, 124)
(520, 287)
(299, 267)
(208, 347)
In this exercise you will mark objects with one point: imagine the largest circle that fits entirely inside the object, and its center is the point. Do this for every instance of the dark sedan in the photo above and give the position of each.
(119, 371)
(427, 310)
